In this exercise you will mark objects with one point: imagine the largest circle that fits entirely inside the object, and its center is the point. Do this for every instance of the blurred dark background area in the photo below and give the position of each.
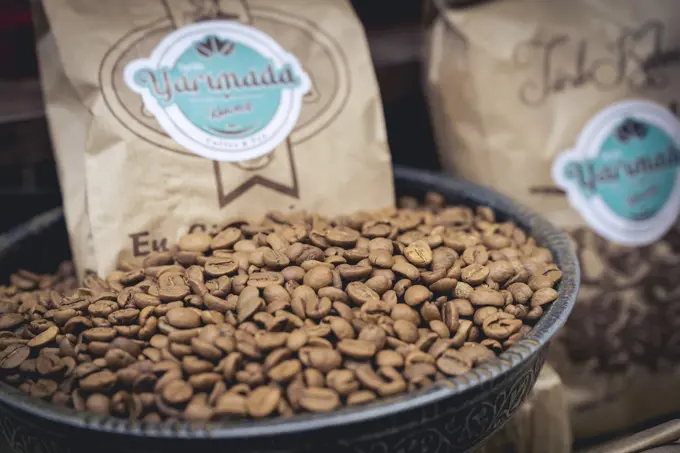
(28, 177)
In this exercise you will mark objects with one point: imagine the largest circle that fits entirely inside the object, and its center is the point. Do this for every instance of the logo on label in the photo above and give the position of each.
(223, 90)
(623, 174)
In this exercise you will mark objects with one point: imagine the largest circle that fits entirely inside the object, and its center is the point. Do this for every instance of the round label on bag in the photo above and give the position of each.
(223, 90)
(623, 174)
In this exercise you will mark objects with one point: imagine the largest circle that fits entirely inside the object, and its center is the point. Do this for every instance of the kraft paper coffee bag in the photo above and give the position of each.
(170, 116)
(567, 106)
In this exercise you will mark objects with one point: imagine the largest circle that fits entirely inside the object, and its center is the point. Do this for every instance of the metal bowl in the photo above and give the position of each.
(455, 416)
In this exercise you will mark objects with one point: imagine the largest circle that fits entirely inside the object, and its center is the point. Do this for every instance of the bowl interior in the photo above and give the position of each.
(42, 243)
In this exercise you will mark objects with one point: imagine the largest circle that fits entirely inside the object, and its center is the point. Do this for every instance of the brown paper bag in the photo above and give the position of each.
(540, 425)
(567, 107)
(170, 116)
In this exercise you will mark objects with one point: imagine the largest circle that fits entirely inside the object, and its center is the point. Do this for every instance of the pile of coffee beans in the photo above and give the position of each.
(294, 313)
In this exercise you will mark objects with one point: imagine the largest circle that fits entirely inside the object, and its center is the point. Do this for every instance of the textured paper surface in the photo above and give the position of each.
(511, 84)
(129, 189)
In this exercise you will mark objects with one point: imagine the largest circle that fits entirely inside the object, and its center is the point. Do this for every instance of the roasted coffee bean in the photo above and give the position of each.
(319, 399)
(453, 363)
(322, 359)
(485, 296)
(13, 356)
(357, 349)
(263, 401)
(361, 397)
(196, 242)
(500, 325)
(521, 292)
(374, 334)
(543, 296)
(296, 313)
(406, 331)
(416, 295)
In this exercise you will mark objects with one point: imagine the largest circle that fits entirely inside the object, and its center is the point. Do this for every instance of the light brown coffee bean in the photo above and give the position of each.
(285, 371)
(379, 284)
(419, 253)
(416, 295)
(264, 279)
(43, 338)
(98, 404)
(381, 258)
(386, 383)
(543, 296)
(100, 334)
(430, 312)
(318, 277)
(220, 266)
(476, 353)
(407, 270)
(341, 328)
(450, 315)
(226, 238)
(403, 311)
(406, 331)
(313, 378)
(11, 320)
(194, 365)
(500, 325)
(464, 307)
(319, 399)
(98, 381)
(248, 306)
(263, 401)
(540, 282)
(361, 397)
(195, 242)
(389, 358)
(485, 296)
(462, 333)
(205, 349)
(521, 292)
(482, 313)
(267, 341)
(275, 259)
(359, 293)
(357, 349)
(440, 329)
(501, 271)
(474, 274)
(13, 356)
(293, 273)
(453, 363)
(475, 254)
(183, 318)
(342, 381)
(373, 334)
(322, 359)
(296, 340)
(231, 404)
(342, 236)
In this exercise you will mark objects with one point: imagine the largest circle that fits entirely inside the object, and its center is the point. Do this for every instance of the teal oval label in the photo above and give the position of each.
(221, 89)
(622, 176)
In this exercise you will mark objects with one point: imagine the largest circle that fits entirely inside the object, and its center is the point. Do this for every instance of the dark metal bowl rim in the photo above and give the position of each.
(468, 192)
